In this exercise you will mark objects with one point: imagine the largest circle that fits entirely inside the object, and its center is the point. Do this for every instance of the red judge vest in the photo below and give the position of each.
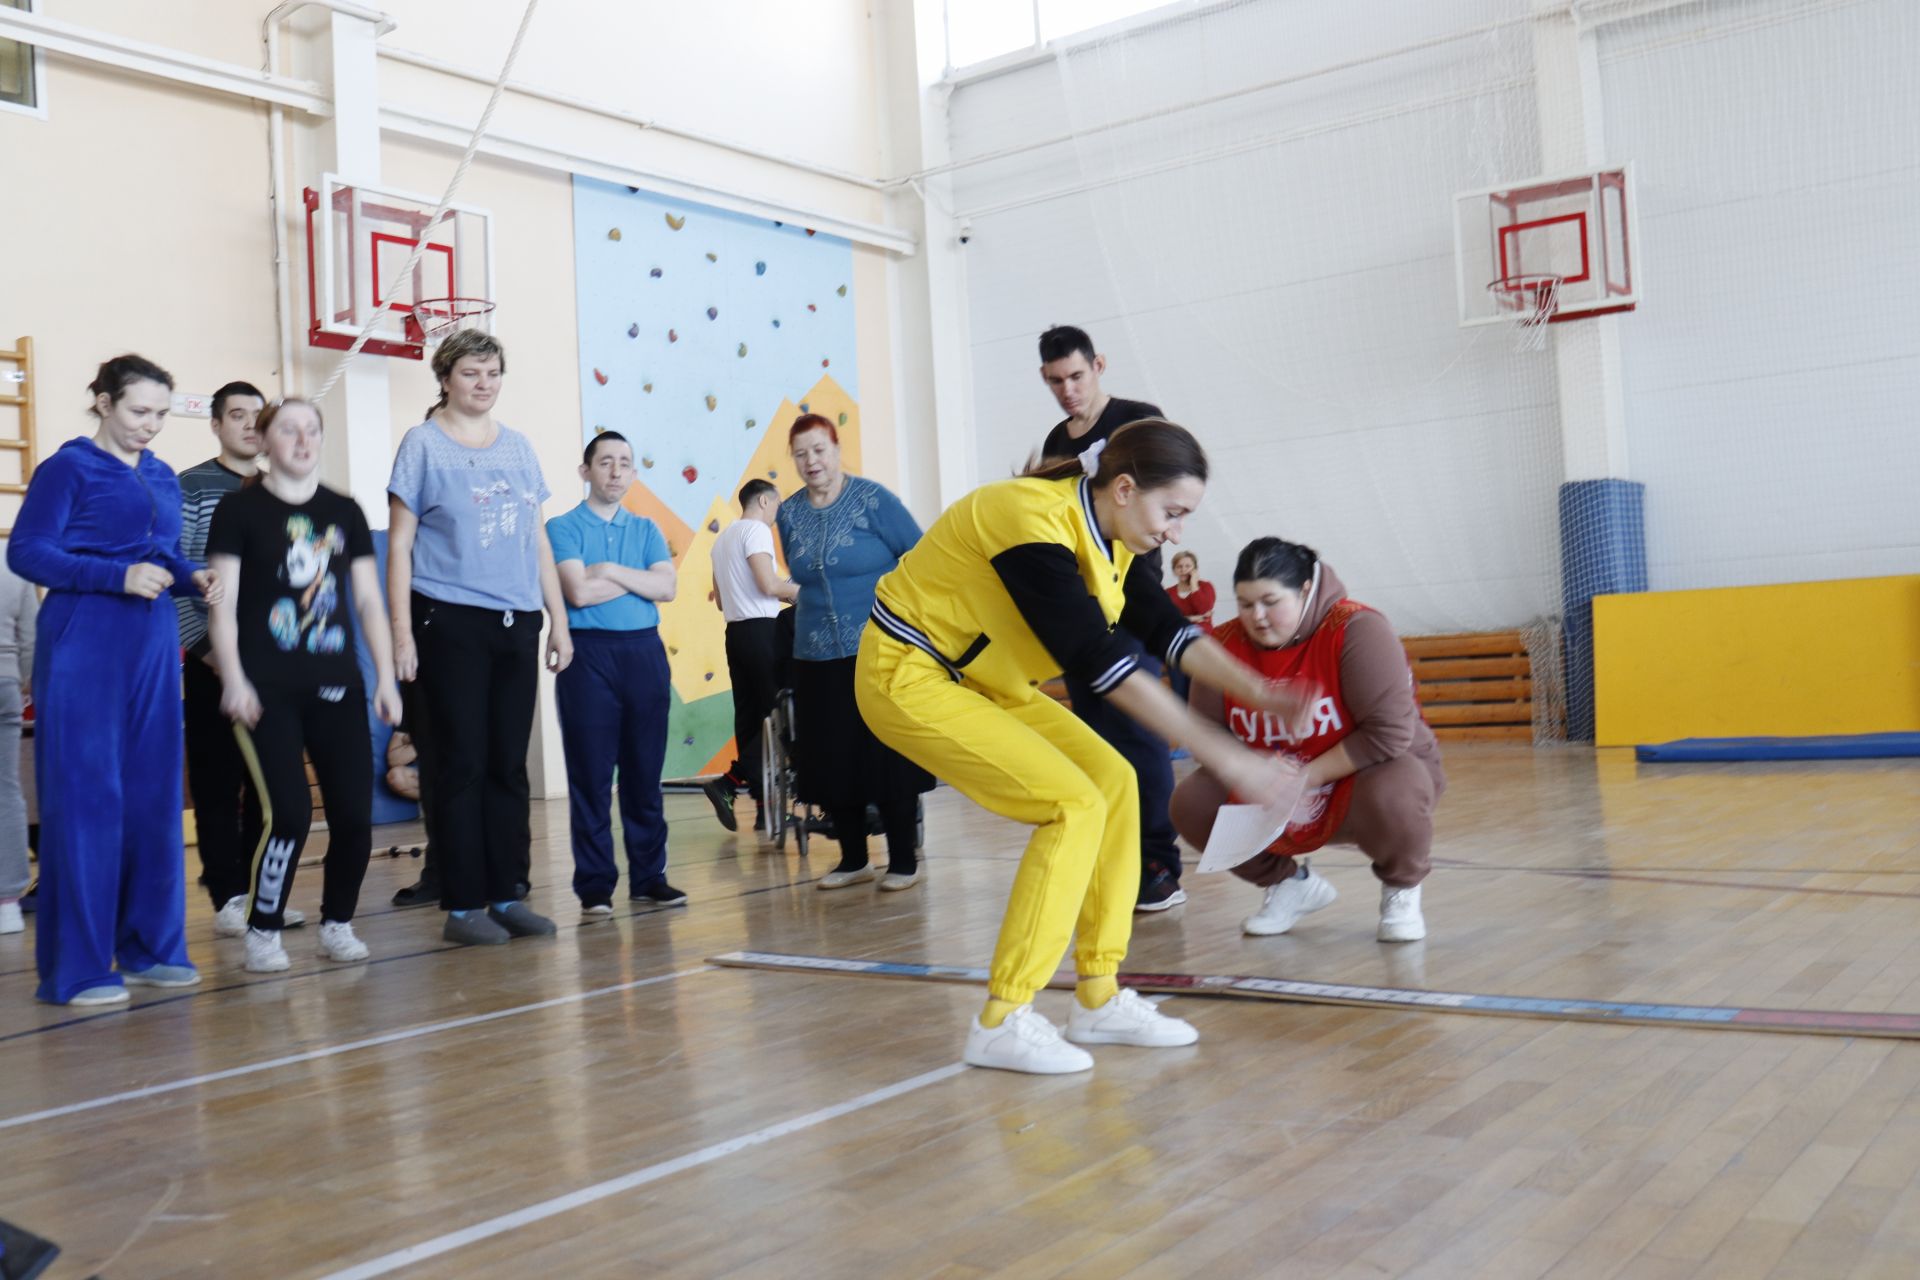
(1317, 662)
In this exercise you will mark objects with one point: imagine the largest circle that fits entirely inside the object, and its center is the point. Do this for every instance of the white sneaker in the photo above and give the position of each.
(230, 921)
(265, 954)
(1128, 1019)
(11, 921)
(337, 942)
(1024, 1042)
(291, 919)
(1400, 918)
(1287, 902)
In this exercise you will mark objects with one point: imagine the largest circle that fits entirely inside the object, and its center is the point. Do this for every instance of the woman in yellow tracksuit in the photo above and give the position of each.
(1016, 582)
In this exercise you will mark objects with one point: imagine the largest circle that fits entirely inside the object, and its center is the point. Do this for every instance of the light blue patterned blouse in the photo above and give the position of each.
(837, 553)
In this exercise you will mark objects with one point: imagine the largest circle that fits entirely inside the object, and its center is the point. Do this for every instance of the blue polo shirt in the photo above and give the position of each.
(629, 540)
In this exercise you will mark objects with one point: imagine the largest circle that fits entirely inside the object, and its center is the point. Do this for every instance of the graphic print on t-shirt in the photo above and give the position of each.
(309, 618)
(499, 512)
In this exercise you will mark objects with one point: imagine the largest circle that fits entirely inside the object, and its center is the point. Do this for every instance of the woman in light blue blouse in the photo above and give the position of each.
(840, 534)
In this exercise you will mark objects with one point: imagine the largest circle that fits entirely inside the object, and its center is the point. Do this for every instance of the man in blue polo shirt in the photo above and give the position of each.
(614, 568)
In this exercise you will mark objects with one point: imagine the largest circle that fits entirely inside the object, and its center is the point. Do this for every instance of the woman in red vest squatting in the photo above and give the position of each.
(1373, 767)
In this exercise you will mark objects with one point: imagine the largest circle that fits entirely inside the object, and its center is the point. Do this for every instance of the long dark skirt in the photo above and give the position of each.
(844, 768)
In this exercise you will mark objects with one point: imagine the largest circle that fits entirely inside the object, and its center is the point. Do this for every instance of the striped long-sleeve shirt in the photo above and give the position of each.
(201, 489)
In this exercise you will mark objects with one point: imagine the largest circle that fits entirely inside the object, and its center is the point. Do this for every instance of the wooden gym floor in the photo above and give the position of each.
(603, 1104)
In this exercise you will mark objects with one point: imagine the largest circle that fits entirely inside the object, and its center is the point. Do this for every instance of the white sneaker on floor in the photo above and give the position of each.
(1128, 1019)
(265, 954)
(1400, 918)
(291, 919)
(230, 921)
(1024, 1042)
(337, 942)
(11, 920)
(1287, 902)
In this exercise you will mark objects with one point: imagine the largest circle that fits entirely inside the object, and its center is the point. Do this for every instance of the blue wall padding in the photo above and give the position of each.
(1603, 551)
(1843, 746)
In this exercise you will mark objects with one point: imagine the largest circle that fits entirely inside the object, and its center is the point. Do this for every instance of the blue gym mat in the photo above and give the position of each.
(1844, 746)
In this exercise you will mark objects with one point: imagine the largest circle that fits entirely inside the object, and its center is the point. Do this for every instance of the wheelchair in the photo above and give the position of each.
(781, 809)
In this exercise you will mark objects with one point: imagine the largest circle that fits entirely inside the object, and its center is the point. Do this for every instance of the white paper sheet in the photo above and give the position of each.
(1242, 830)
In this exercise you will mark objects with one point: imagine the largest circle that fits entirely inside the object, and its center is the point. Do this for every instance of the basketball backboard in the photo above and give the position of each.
(359, 238)
(1579, 228)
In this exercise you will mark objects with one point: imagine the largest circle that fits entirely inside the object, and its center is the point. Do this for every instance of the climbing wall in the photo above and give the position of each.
(703, 335)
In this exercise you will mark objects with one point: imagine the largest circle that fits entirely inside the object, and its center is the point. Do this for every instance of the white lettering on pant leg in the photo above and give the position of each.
(273, 876)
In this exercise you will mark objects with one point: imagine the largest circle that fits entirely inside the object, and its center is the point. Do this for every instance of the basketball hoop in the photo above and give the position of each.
(430, 321)
(1530, 301)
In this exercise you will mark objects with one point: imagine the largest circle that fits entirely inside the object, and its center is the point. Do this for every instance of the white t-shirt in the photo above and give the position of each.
(740, 596)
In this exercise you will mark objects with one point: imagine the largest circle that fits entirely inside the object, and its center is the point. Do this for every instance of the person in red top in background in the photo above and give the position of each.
(1195, 600)
(1373, 766)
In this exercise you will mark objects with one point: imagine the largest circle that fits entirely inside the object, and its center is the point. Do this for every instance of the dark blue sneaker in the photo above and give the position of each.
(1160, 891)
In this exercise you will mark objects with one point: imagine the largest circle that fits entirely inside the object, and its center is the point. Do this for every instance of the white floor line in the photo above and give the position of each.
(388, 1263)
(312, 1055)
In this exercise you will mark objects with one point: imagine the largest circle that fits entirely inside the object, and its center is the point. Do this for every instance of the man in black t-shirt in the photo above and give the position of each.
(1071, 369)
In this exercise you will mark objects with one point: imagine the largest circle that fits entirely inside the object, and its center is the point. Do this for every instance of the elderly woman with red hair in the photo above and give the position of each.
(841, 534)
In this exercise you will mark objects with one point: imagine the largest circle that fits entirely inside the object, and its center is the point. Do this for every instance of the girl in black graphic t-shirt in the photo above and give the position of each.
(283, 642)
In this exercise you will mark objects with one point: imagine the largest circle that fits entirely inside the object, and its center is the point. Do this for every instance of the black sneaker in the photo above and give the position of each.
(423, 892)
(719, 793)
(660, 893)
(1160, 892)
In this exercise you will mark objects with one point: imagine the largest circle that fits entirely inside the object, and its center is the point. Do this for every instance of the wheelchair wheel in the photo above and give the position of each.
(773, 780)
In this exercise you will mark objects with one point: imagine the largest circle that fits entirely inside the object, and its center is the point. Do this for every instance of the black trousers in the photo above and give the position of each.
(414, 723)
(226, 808)
(753, 663)
(479, 674)
(1147, 752)
(328, 726)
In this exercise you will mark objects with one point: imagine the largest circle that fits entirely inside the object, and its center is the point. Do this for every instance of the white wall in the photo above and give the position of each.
(1774, 372)
(1293, 300)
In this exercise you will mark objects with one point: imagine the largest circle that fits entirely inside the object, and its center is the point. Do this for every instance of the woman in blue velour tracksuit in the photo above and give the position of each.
(100, 529)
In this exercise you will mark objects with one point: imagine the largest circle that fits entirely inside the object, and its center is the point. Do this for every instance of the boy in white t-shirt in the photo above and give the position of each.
(749, 590)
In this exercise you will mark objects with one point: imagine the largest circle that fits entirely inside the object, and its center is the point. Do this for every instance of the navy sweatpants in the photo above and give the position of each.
(1152, 761)
(107, 759)
(613, 700)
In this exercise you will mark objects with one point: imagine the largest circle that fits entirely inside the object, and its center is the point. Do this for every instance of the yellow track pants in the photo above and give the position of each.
(1035, 762)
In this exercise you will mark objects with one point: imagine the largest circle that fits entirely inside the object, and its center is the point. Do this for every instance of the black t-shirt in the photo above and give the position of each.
(1116, 415)
(296, 626)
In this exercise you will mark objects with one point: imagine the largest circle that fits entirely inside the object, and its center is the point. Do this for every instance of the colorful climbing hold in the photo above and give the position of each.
(600, 377)
(633, 330)
(810, 231)
(712, 404)
(742, 352)
(709, 675)
(776, 322)
(773, 475)
(712, 256)
(647, 463)
(687, 741)
(843, 419)
(824, 362)
(673, 335)
(713, 526)
(614, 234)
(759, 268)
(647, 387)
(805, 407)
(713, 313)
(689, 473)
(674, 223)
(811, 307)
(656, 273)
(842, 291)
(752, 423)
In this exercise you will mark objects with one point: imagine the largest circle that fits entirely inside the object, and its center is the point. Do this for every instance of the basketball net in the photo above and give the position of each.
(1530, 301)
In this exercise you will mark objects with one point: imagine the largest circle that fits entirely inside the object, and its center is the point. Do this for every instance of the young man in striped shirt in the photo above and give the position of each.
(226, 811)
